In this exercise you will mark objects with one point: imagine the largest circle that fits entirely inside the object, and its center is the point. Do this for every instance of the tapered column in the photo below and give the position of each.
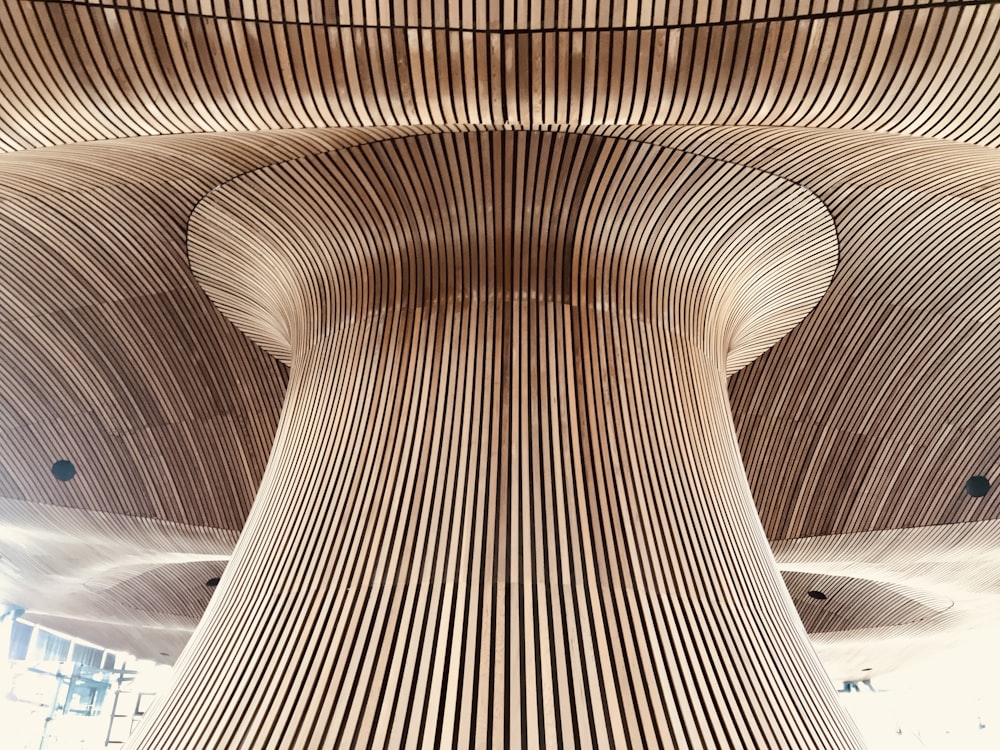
(505, 506)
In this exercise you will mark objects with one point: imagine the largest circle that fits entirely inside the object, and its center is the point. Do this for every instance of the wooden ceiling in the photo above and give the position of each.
(82, 71)
(118, 118)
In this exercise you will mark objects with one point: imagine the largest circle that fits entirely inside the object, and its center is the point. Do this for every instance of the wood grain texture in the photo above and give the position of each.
(505, 505)
(849, 603)
(884, 402)
(408, 221)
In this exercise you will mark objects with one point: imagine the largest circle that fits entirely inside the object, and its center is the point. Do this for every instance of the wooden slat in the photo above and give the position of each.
(419, 577)
(866, 419)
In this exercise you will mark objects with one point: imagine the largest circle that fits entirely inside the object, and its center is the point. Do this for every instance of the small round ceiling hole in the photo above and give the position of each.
(816, 594)
(212, 582)
(63, 470)
(977, 486)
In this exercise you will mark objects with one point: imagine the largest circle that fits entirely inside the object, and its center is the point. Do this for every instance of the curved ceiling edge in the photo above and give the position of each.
(519, 176)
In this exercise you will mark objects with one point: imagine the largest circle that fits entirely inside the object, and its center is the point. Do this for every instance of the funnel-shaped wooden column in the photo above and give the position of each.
(505, 505)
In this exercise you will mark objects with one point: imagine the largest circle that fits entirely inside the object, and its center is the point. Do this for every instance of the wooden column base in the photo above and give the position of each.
(505, 505)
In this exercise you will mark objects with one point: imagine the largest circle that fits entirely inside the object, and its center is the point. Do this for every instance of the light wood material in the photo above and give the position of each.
(865, 420)
(178, 430)
(505, 505)
(81, 71)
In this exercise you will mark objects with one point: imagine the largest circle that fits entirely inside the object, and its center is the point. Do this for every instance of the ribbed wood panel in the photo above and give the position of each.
(113, 357)
(505, 506)
(850, 603)
(868, 418)
(78, 71)
(883, 403)
(136, 582)
(527, 215)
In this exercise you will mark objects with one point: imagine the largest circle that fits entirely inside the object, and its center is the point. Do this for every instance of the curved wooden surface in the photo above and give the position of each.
(866, 419)
(80, 71)
(837, 604)
(415, 220)
(505, 505)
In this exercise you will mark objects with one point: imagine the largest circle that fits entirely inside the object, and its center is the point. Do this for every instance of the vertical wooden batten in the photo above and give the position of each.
(498, 343)
(505, 505)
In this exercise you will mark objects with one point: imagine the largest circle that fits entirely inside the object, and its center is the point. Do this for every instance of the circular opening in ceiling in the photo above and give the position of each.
(977, 486)
(212, 582)
(816, 594)
(63, 470)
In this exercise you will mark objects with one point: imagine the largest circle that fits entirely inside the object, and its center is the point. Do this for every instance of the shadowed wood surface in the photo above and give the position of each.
(865, 420)
(834, 604)
(735, 255)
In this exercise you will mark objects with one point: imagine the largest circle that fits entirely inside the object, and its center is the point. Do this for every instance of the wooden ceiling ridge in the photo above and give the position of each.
(82, 72)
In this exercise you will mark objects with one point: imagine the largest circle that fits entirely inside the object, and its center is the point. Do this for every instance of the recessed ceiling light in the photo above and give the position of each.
(977, 486)
(212, 582)
(816, 594)
(63, 470)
